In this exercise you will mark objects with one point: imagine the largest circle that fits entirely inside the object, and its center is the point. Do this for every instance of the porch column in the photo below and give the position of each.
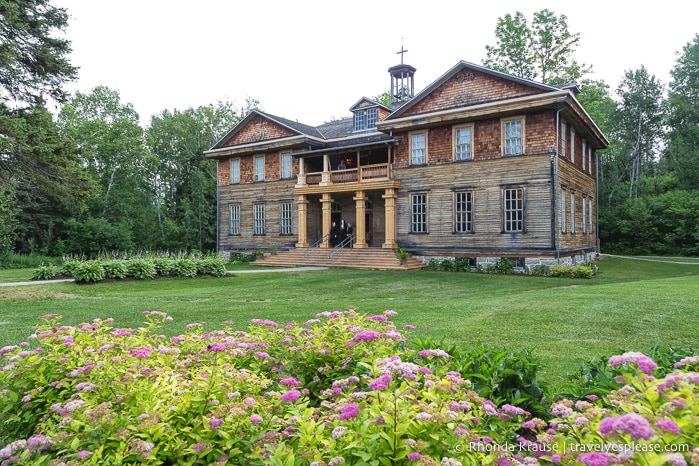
(302, 203)
(325, 176)
(326, 202)
(390, 212)
(301, 177)
(360, 220)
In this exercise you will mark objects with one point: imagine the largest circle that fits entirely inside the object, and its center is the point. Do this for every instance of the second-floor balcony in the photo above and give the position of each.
(362, 174)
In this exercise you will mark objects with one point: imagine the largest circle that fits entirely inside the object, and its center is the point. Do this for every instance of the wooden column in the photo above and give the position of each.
(360, 220)
(390, 212)
(326, 202)
(302, 203)
(325, 176)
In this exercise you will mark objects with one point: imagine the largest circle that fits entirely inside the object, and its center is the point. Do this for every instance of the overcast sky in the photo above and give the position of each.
(312, 60)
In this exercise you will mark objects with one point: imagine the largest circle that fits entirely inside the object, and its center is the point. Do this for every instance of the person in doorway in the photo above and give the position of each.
(342, 165)
(350, 233)
(334, 235)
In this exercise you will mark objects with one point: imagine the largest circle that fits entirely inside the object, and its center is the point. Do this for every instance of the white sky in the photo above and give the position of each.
(311, 60)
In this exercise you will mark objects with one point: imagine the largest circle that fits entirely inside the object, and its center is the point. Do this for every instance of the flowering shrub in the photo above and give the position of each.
(338, 389)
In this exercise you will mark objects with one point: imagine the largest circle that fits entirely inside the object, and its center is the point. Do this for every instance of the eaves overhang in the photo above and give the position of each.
(331, 148)
(263, 146)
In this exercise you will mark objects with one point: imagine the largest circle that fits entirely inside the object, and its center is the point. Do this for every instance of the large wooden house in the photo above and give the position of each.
(479, 164)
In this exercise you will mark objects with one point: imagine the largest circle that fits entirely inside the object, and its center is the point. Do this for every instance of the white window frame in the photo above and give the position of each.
(513, 141)
(572, 145)
(420, 150)
(234, 223)
(564, 213)
(584, 154)
(285, 165)
(564, 138)
(584, 213)
(589, 214)
(366, 119)
(418, 213)
(258, 219)
(372, 117)
(572, 212)
(513, 210)
(463, 212)
(259, 168)
(589, 159)
(235, 171)
(286, 211)
(462, 151)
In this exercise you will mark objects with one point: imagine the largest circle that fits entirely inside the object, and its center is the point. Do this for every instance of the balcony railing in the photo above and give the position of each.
(381, 171)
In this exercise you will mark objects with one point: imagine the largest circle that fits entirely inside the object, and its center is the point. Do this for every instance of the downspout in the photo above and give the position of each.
(217, 210)
(597, 202)
(556, 235)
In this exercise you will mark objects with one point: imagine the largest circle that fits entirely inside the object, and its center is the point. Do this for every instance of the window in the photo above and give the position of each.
(258, 219)
(589, 160)
(418, 149)
(260, 168)
(589, 214)
(235, 171)
(286, 166)
(235, 220)
(564, 218)
(564, 140)
(463, 142)
(365, 119)
(463, 212)
(418, 209)
(513, 132)
(584, 216)
(514, 210)
(286, 218)
(572, 212)
(584, 155)
(572, 145)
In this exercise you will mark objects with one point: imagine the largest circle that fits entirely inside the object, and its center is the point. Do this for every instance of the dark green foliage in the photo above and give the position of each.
(185, 267)
(115, 268)
(141, 269)
(163, 266)
(245, 257)
(572, 271)
(500, 375)
(211, 265)
(46, 272)
(89, 271)
(91, 236)
(502, 265)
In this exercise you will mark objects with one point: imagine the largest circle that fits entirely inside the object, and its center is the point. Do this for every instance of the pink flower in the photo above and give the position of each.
(646, 364)
(215, 422)
(216, 347)
(596, 459)
(290, 382)
(633, 424)
(377, 318)
(381, 383)
(255, 419)
(668, 426)
(414, 456)
(349, 412)
(366, 335)
(82, 454)
(291, 396)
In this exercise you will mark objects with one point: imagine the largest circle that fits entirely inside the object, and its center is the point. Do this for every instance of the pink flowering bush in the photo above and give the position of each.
(341, 388)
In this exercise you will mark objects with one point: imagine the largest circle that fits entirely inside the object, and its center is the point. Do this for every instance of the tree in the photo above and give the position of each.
(682, 154)
(638, 127)
(183, 181)
(112, 148)
(33, 63)
(541, 52)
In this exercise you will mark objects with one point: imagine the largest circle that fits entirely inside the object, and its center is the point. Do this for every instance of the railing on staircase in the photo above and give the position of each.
(340, 248)
(313, 248)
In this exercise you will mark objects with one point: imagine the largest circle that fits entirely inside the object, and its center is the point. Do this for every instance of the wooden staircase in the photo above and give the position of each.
(369, 258)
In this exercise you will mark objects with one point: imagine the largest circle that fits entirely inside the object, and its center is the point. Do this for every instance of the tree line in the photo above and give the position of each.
(92, 179)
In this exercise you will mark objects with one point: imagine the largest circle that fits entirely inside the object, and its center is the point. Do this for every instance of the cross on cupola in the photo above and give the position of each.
(402, 81)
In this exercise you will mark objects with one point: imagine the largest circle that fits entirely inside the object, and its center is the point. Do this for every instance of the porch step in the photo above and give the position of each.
(369, 258)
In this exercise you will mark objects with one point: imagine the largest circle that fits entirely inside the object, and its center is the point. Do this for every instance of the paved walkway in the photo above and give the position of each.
(230, 272)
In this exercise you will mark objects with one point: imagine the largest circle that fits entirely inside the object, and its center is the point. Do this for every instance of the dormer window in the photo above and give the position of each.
(365, 118)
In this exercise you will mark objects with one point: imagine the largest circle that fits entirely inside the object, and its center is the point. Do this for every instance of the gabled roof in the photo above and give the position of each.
(296, 127)
(454, 70)
(372, 103)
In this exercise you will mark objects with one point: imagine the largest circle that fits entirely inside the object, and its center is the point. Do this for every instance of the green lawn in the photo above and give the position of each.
(630, 304)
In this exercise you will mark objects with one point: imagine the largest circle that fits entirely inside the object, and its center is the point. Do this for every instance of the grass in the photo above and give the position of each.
(630, 305)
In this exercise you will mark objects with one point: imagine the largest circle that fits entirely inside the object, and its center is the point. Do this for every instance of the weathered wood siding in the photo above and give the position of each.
(574, 180)
(486, 179)
(258, 129)
(470, 88)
